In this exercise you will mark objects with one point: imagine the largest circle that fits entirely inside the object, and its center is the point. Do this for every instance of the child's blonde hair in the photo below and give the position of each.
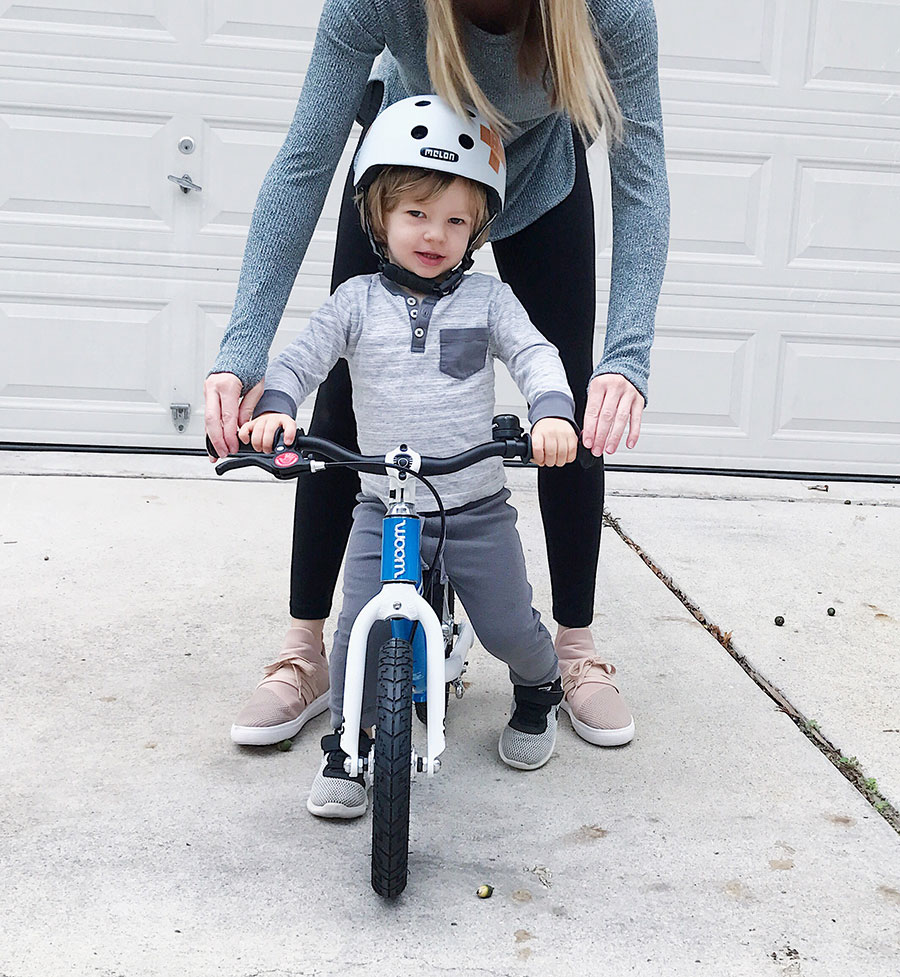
(559, 46)
(393, 182)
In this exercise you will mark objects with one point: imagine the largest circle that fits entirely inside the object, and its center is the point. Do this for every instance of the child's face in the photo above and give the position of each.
(430, 238)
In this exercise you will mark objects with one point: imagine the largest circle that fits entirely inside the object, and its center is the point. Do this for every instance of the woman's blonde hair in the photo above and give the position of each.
(559, 44)
(393, 182)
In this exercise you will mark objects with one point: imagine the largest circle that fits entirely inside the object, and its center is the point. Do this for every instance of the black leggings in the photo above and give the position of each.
(550, 267)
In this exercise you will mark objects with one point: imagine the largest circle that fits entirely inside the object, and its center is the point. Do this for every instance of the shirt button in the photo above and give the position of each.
(410, 301)
(413, 313)
(419, 333)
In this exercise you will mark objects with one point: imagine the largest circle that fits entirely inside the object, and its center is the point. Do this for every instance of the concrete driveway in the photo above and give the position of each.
(141, 596)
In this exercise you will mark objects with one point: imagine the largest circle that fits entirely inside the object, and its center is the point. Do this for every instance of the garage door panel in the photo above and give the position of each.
(109, 16)
(701, 40)
(235, 162)
(847, 213)
(718, 203)
(86, 173)
(731, 383)
(702, 377)
(283, 23)
(780, 56)
(843, 388)
(823, 218)
(247, 43)
(70, 351)
(855, 42)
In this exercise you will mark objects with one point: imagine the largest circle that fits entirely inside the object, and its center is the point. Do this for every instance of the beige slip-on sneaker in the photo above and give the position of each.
(293, 691)
(592, 700)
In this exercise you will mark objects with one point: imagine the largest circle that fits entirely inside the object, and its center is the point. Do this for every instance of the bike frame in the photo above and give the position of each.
(398, 600)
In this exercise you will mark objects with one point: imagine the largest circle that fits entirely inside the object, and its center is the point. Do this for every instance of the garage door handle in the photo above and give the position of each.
(185, 182)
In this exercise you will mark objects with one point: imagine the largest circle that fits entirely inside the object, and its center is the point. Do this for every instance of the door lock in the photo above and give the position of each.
(185, 182)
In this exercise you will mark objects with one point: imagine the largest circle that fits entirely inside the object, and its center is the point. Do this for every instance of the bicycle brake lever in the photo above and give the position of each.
(287, 464)
(229, 464)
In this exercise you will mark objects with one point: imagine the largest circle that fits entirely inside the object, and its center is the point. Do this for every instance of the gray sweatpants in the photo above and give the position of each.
(483, 560)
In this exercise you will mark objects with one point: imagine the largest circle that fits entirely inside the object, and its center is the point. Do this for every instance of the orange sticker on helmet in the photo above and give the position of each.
(497, 156)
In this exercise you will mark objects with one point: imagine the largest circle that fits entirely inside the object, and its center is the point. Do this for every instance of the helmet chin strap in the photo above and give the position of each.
(430, 286)
(448, 282)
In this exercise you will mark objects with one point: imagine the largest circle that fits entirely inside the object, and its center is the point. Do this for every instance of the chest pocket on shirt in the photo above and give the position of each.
(463, 351)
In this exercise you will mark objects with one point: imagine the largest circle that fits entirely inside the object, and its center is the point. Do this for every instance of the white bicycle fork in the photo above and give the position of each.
(395, 601)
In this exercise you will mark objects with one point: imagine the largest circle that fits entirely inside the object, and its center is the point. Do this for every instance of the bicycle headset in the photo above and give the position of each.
(423, 131)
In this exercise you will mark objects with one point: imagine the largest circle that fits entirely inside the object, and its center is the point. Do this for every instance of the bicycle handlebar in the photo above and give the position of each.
(290, 461)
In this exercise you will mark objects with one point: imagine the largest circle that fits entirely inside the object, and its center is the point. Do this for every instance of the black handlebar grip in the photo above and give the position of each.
(243, 449)
(529, 451)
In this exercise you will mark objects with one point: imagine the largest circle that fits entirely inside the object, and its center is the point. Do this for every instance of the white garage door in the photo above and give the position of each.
(777, 341)
(116, 286)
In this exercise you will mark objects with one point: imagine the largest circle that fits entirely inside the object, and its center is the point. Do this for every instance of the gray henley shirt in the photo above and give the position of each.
(423, 373)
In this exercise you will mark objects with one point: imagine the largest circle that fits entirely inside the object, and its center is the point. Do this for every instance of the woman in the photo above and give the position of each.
(552, 76)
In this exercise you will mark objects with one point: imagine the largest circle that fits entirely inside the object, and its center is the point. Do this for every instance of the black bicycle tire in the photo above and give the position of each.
(392, 769)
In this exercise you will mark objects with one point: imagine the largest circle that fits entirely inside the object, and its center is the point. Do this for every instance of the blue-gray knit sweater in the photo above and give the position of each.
(540, 161)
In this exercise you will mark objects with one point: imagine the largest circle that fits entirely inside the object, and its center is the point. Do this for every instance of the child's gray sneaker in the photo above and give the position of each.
(334, 793)
(528, 739)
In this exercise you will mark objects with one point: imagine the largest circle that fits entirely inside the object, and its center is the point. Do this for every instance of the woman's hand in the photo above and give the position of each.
(612, 403)
(226, 411)
(261, 431)
(553, 442)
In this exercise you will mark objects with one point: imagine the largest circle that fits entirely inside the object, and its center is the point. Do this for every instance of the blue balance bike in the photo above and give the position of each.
(426, 654)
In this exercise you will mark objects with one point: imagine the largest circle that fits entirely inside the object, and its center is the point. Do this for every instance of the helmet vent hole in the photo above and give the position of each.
(466, 141)
(419, 132)
(423, 102)
(470, 113)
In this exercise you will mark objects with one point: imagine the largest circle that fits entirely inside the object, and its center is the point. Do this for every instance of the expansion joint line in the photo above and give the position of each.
(849, 769)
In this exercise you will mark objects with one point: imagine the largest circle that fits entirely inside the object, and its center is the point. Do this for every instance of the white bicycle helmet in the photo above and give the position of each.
(423, 131)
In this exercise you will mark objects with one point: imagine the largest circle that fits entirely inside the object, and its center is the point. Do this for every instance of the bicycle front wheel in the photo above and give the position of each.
(392, 769)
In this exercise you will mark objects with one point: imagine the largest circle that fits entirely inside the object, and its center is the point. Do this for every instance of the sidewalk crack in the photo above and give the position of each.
(849, 768)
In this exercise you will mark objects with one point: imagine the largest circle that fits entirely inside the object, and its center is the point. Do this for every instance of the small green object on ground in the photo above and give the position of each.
(831, 612)
(485, 891)
(285, 745)
(779, 620)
